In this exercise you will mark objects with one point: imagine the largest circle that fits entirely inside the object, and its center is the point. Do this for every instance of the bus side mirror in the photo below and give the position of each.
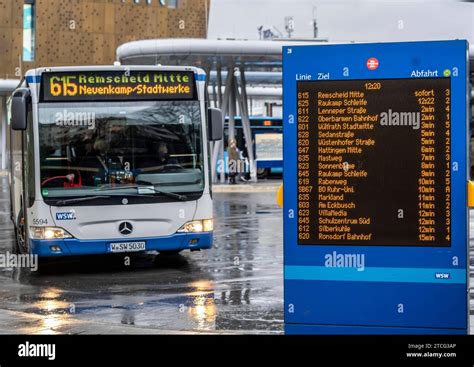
(20, 100)
(216, 124)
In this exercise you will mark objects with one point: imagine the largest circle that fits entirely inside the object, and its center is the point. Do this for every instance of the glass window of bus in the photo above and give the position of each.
(89, 148)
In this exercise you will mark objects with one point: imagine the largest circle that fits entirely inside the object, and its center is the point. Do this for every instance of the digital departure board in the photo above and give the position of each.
(374, 162)
(375, 173)
(117, 85)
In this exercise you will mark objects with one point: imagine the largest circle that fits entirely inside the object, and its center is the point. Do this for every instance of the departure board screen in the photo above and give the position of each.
(374, 162)
(118, 85)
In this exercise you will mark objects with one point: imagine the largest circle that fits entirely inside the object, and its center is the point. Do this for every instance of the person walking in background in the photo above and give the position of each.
(234, 158)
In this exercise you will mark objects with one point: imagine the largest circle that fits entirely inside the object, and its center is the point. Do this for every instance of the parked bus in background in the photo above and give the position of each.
(267, 136)
(111, 160)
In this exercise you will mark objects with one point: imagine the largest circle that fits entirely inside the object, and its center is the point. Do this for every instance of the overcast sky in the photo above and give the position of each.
(345, 20)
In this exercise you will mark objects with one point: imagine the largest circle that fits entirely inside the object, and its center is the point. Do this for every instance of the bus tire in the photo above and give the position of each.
(19, 246)
(262, 173)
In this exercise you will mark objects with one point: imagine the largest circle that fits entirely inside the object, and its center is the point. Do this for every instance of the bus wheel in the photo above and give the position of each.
(262, 172)
(19, 246)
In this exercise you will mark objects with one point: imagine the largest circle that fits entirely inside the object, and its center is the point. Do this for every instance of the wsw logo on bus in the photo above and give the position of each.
(66, 216)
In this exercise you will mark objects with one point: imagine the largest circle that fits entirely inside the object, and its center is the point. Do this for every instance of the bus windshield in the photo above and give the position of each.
(90, 149)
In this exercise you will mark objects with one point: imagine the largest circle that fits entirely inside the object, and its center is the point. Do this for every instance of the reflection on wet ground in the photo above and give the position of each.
(236, 286)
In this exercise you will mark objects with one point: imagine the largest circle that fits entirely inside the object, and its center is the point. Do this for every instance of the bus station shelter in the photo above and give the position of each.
(227, 62)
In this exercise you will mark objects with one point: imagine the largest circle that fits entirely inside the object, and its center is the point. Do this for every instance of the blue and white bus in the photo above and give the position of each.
(111, 160)
(267, 137)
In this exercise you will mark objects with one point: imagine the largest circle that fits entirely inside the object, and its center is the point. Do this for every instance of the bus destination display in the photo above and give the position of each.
(117, 85)
(374, 162)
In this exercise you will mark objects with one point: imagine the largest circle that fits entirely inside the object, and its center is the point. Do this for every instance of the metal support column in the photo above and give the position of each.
(3, 121)
(224, 105)
(244, 114)
(232, 104)
(219, 84)
(219, 149)
(214, 96)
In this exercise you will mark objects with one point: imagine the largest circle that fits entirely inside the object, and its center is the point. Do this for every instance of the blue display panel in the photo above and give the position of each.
(375, 180)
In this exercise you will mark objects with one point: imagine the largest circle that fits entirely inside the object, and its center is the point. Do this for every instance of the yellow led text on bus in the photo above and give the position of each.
(64, 85)
(144, 84)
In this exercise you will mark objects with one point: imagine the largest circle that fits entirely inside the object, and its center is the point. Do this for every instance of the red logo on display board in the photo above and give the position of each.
(372, 63)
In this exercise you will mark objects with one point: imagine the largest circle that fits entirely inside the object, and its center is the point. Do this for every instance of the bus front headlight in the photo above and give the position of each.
(48, 233)
(196, 226)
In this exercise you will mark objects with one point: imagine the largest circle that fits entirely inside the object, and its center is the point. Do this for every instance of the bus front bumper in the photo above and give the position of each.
(75, 247)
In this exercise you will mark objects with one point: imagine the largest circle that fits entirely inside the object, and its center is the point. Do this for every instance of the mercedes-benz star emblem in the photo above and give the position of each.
(125, 228)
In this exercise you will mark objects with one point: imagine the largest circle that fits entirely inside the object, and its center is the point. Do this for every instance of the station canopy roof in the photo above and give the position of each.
(254, 54)
(205, 53)
(7, 86)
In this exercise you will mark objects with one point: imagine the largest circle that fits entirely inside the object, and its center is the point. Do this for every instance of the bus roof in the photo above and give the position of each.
(39, 71)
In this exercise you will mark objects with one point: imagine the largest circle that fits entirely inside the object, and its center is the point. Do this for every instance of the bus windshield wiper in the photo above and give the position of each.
(154, 185)
(78, 200)
(144, 186)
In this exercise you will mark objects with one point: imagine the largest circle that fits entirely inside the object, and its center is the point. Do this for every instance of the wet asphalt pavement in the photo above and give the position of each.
(236, 286)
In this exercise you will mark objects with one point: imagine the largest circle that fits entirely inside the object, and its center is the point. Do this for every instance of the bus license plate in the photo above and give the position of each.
(127, 246)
